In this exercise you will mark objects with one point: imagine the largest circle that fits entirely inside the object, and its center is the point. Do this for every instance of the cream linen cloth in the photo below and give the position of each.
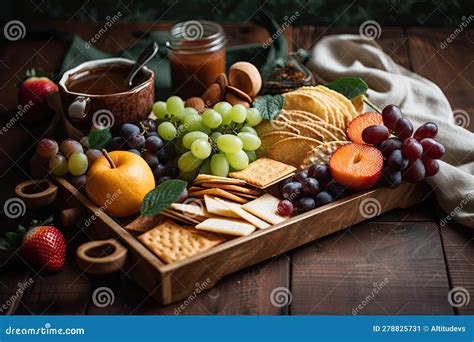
(420, 101)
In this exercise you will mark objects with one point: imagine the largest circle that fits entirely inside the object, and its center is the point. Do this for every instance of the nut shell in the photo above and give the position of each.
(239, 93)
(246, 77)
(212, 95)
(233, 100)
(195, 102)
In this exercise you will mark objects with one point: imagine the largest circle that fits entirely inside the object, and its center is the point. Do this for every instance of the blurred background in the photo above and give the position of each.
(313, 12)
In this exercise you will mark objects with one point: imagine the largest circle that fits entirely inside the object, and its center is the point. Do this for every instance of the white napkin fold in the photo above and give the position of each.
(420, 101)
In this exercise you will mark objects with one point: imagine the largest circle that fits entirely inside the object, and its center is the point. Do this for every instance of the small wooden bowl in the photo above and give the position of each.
(36, 193)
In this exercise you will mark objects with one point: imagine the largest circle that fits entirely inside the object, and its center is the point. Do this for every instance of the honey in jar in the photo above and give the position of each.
(197, 56)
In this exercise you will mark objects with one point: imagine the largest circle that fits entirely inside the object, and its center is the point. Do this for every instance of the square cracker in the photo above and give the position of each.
(245, 215)
(263, 171)
(226, 226)
(218, 193)
(172, 243)
(265, 208)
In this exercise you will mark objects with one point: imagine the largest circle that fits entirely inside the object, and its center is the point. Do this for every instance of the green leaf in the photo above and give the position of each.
(99, 139)
(269, 106)
(162, 196)
(21, 229)
(12, 238)
(350, 87)
(4, 245)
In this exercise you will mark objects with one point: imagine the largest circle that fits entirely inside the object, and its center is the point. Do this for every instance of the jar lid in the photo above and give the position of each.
(196, 36)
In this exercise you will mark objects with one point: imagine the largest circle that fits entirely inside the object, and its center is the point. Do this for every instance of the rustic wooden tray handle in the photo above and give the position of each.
(91, 259)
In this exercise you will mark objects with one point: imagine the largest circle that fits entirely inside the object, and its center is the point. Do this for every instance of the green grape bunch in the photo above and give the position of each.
(218, 141)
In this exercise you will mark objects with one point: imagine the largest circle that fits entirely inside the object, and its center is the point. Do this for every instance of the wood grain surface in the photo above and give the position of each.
(420, 259)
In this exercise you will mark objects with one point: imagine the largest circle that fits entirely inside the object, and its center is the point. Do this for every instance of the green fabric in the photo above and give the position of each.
(80, 51)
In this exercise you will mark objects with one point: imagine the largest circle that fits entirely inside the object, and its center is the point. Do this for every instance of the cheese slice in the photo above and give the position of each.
(265, 207)
(226, 226)
(215, 207)
(236, 208)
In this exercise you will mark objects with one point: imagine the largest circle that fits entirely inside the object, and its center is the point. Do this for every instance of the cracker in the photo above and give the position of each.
(182, 217)
(266, 127)
(265, 207)
(306, 102)
(172, 243)
(336, 132)
(321, 154)
(292, 150)
(310, 132)
(270, 138)
(245, 215)
(263, 171)
(219, 193)
(202, 178)
(352, 113)
(226, 226)
(299, 116)
(232, 187)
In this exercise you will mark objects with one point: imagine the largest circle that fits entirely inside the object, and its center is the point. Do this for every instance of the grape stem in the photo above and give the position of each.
(107, 156)
(371, 105)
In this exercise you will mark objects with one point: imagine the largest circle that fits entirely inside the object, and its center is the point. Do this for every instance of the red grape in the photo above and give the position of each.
(321, 173)
(292, 190)
(337, 190)
(305, 204)
(432, 149)
(153, 144)
(412, 148)
(375, 134)
(415, 171)
(47, 148)
(310, 186)
(431, 166)
(395, 161)
(300, 176)
(323, 198)
(427, 130)
(390, 115)
(285, 208)
(151, 159)
(389, 145)
(391, 178)
(403, 128)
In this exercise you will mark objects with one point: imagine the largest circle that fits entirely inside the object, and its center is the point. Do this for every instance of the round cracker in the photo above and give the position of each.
(271, 126)
(270, 138)
(346, 102)
(292, 150)
(321, 154)
(306, 102)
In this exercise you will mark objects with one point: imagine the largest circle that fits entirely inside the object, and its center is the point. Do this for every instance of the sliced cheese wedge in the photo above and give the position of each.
(226, 226)
(215, 207)
(252, 219)
(265, 207)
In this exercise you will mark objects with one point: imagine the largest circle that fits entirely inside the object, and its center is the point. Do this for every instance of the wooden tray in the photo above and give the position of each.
(169, 283)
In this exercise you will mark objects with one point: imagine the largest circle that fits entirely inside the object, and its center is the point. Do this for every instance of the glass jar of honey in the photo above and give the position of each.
(196, 55)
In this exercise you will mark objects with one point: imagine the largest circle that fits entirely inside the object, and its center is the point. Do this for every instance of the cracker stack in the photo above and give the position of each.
(310, 127)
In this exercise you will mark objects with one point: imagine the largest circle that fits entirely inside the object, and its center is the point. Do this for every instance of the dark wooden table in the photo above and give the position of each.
(418, 260)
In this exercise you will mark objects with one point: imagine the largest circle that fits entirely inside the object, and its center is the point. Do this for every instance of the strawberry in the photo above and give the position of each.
(42, 246)
(32, 98)
(356, 166)
(361, 122)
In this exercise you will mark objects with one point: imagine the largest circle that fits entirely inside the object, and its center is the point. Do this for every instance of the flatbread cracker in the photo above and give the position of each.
(273, 126)
(295, 115)
(219, 193)
(202, 178)
(321, 154)
(292, 150)
(265, 207)
(306, 102)
(245, 215)
(233, 188)
(226, 226)
(263, 171)
(342, 99)
(270, 138)
(182, 217)
(172, 243)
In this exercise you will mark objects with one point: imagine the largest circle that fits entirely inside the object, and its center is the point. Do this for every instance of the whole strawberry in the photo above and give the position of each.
(45, 248)
(41, 245)
(32, 97)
